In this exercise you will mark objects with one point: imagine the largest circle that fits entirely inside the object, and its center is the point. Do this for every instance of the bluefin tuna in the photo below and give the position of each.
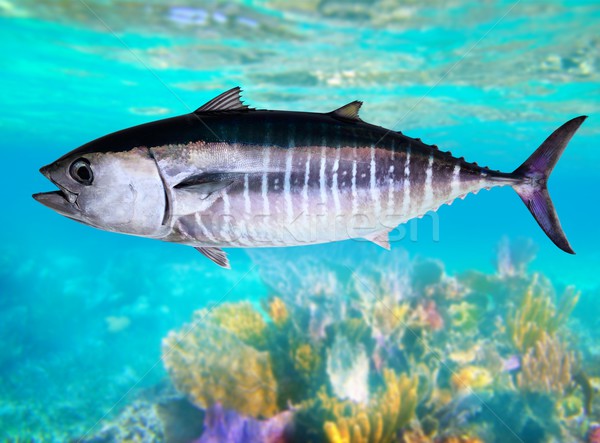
(230, 176)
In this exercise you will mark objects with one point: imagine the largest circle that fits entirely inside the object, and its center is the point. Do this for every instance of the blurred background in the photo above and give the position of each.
(82, 312)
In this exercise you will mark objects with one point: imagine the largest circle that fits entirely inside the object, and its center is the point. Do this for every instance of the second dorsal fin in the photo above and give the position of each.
(349, 111)
(227, 101)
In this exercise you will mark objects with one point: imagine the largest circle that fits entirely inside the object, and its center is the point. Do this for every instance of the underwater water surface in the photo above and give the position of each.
(474, 327)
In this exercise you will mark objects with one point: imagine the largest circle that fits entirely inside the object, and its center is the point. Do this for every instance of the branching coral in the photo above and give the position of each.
(212, 365)
(548, 367)
(537, 316)
(380, 420)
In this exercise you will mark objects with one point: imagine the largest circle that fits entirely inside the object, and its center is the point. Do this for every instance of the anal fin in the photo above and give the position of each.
(217, 255)
(380, 238)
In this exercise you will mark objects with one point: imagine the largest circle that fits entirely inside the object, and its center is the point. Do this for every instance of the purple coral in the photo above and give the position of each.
(222, 425)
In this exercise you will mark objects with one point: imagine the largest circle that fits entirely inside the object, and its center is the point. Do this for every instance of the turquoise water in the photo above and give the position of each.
(84, 311)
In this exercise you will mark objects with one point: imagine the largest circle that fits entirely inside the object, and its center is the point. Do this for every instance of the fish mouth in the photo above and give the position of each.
(62, 201)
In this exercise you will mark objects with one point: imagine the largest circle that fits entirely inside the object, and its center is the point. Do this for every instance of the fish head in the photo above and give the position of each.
(114, 191)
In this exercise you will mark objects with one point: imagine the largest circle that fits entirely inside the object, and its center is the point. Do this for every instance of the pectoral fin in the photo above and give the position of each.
(206, 184)
(198, 192)
(217, 255)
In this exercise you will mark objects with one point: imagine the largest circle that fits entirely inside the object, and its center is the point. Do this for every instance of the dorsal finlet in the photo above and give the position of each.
(349, 111)
(227, 101)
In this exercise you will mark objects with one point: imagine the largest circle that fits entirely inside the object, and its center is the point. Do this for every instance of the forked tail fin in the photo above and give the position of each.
(534, 175)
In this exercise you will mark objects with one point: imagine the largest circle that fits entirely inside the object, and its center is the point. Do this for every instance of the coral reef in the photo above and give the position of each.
(229, 426)
(348, 370)
(162, 418)
(593, 434)
(513, 257)
(340, 352)
(537, 316)
(381, 419)
(277, 311)
(306, 359)
(548, 367)
(212, 365)
(352, 355)
(464, 315)
(471, 378)
(417, 436)
(242, 320)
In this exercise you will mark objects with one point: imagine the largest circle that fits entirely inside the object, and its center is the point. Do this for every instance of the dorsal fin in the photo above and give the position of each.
(349, 111)
(228, 101)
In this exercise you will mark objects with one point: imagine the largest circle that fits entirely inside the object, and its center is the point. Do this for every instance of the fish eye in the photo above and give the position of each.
(81, 171)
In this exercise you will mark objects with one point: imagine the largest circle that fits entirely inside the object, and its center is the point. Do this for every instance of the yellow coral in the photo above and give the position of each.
(380, 420)
(537, 315)
(471, 377)
(211, 365)
(547, 367)
(277, 310)
(241, 319)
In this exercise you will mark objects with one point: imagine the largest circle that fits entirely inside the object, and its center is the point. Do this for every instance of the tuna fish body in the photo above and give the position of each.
(230, 176)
